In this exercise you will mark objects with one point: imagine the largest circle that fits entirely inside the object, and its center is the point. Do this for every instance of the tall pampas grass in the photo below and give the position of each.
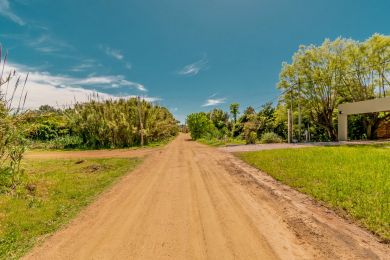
(12, 144)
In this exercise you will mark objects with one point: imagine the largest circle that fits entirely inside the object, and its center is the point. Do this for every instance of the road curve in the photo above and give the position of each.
(190, 201)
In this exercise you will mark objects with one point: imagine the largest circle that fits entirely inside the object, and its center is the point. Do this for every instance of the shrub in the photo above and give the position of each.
(12, 147)
(201, 126)
(249, 132)
(251, 138)
(270, 137)
(121, 123)
(66, 142)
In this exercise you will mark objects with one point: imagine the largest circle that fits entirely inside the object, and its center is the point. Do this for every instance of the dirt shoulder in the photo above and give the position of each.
(261, 147)
(122, 153)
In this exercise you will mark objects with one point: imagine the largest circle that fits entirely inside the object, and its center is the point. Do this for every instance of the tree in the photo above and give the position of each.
(219, 118)
(248, 114)
(321, 77)
(200, 125)
(366, 77)
(266, 119)
(234, 110)
(313, 79)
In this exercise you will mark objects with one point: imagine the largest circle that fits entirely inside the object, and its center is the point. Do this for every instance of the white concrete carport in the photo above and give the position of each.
(362, 107)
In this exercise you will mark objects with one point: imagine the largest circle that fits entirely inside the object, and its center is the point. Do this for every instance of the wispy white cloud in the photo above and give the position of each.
(136, 85)
(62, 90)
(110, 81)
(194, 68)
(214, 102)
(128, 65)
(116, 54)
(85, 64)
(5, 10)
(47, 43)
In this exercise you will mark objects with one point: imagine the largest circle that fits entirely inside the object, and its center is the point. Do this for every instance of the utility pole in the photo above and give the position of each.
(289, 126)
(299, 111)
(141, 125)
(291, 116)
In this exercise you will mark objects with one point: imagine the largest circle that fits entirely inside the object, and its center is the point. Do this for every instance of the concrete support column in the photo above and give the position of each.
(343, 127)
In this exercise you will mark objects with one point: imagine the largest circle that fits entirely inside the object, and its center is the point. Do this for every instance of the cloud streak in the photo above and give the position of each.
(5, 10)
(214, 102)
(128, 66)
(86, 64)
(194, 68)
(45, 88)
(47, 44)
(44, 43)
(116, 54)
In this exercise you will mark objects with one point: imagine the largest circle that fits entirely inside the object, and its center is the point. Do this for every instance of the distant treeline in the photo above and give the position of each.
(265, 124)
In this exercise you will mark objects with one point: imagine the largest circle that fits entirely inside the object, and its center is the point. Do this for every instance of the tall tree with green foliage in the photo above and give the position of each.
(266, 119)
(234, 110)
(219, 118)
(321, 77)
(200, 125)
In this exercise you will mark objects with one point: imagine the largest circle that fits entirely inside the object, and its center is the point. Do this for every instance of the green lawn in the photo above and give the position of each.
(52, 193)
(217, 142)
(355, 179)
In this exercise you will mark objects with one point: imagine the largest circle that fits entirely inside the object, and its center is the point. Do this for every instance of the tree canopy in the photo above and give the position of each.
(319, 78)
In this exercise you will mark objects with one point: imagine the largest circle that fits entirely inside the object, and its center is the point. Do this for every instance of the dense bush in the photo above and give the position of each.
(45, 127)
(99, 124)
(121, 123)
(251, 138)
(270, 137)
(200, 126)
(66, 142)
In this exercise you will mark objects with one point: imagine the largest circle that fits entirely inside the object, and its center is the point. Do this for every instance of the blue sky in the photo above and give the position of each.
(186, 55)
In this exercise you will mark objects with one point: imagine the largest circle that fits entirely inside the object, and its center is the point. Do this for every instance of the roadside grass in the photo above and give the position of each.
(220, 142)
(51, 194)
(43, 146)
(351, 179)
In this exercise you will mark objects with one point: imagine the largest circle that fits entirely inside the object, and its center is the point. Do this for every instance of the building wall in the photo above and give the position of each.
(383, 131)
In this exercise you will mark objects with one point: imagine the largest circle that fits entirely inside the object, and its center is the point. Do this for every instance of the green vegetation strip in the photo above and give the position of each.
(217, 142)
(355, 179)
(52, 193)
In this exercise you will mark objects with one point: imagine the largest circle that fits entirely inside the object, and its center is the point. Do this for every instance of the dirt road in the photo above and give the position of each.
(189, 201)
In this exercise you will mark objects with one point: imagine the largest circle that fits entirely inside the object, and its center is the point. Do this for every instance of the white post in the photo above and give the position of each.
(343, 127)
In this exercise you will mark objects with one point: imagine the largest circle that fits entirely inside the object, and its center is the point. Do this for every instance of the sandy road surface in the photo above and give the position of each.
(189, 201)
